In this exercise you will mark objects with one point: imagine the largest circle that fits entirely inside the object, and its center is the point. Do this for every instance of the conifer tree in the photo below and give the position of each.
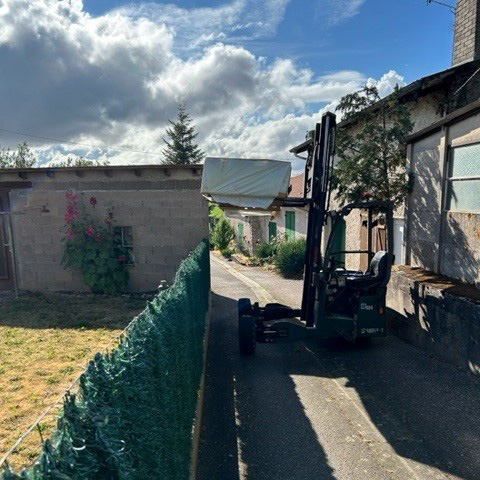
(182, 148)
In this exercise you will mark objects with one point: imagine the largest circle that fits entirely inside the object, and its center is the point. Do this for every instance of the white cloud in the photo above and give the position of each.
(116, 80)
(338, 11)
(240, 20)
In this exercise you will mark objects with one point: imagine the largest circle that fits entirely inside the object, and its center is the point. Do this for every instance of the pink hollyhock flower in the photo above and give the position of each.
(90, 231)
(93, 201)
(99, 238)
(122, 258)
(70, 234)
(71, 197)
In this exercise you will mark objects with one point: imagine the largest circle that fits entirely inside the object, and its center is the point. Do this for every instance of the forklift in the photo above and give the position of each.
(336, 302)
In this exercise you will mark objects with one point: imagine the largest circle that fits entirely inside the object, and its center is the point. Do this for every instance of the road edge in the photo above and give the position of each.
(197, 425)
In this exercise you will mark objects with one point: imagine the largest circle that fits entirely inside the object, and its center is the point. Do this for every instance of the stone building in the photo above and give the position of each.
(253, 229)
(158, 210)
(443, 109)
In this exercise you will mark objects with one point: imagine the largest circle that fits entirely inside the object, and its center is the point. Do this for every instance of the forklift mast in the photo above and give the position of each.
(317, 191)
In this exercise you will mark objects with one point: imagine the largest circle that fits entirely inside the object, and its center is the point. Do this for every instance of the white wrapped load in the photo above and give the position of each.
(245, 183)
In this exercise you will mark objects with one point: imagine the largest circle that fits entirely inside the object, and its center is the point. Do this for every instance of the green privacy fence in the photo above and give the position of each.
(132, 418)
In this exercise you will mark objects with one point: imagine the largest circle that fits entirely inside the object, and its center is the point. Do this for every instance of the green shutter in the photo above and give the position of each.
(290, 225)
(338, 241)
(241, 231)
(272, 230)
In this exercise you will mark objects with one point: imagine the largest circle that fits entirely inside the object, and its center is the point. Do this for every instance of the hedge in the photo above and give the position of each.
(132, 418)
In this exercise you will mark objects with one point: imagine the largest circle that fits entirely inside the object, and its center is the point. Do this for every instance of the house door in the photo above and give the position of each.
(272, 230)
(6, 280)
(290, 225)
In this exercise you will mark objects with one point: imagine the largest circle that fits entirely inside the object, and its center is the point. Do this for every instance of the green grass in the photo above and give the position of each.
(45, 343)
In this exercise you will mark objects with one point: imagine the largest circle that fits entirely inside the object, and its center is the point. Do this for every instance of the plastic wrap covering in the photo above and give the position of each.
(245, 183)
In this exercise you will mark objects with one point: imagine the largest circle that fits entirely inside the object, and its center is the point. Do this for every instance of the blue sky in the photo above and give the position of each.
(256, 75)
(408, 36)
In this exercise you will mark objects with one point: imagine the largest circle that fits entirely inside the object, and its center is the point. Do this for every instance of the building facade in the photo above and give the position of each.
(253, 229)
(158, 209)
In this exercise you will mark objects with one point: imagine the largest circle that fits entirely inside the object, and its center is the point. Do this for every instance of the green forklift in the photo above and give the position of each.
(336, 302)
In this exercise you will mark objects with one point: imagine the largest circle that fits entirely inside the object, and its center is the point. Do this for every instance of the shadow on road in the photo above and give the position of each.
(257, 403)
(428, 411)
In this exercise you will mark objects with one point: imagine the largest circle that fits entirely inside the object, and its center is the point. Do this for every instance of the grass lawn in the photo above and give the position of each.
(45, 343)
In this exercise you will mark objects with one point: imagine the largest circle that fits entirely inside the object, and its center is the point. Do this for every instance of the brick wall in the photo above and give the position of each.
(467, 32)
(168, 216)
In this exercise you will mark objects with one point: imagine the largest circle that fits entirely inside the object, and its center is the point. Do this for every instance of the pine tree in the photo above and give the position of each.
(372, 154)
(182, 149)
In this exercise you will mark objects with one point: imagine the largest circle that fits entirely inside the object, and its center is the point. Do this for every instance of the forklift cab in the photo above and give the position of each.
(352, 302)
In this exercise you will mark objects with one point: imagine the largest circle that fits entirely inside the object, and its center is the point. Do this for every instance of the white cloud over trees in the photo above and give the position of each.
(116, 79)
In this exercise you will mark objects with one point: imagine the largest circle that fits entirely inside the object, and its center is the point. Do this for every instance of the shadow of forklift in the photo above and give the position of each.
(336, 302)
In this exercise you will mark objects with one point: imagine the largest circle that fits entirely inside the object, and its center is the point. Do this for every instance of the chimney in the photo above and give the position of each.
(466, 44)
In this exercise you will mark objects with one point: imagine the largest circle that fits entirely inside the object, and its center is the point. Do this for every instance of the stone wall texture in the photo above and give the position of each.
(165, 209)
(445, 325)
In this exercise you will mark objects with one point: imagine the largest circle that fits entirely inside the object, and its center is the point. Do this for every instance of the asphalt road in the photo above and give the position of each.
(329, 410)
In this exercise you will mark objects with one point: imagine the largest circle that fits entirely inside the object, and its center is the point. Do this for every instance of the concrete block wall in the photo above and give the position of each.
(444, 324)
(168, 216)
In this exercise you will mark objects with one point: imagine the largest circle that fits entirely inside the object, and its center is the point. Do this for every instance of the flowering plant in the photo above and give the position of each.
(90, 247)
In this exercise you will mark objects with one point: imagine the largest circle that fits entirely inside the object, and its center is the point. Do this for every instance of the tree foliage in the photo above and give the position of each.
(23, 157)
(372, 154)
(222, 234)
(80, 162)
(182, 147)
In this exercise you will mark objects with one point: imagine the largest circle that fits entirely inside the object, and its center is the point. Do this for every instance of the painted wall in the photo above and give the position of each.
(440, 240)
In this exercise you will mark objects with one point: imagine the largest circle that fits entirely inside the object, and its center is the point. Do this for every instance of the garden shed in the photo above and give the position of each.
(157, 211)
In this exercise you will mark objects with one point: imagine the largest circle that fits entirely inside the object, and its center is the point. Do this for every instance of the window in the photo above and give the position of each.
(290, 225)
(463, 181)
(272, 230)
(123, 239)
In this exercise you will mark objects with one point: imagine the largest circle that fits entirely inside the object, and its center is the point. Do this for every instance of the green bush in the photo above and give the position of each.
(267, 251)
(290, 258)
(222, 234)
(92, 247)
(132, 418)
(227, 252)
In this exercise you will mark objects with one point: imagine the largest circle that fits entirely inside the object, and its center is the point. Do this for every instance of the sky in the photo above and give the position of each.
(256, 75)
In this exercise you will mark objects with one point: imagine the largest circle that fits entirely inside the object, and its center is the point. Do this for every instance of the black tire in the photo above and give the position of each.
(244, 307)
(246, 334)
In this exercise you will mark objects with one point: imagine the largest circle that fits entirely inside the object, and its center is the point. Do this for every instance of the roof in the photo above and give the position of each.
(413, 91)
(297, 184)
(303, 147)
(426, 85)
(103, 167)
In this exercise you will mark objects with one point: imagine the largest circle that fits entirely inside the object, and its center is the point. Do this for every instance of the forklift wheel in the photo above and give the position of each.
(244, 307)
(246, 334)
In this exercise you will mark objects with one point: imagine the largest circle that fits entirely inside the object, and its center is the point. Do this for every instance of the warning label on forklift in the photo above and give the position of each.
(364, 306)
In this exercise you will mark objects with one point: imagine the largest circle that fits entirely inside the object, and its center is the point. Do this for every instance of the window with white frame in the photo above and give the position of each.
(123, 238)
(463, 180)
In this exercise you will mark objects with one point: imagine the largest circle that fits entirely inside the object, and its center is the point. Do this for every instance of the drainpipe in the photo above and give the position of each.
(443, 207)
(407, 241)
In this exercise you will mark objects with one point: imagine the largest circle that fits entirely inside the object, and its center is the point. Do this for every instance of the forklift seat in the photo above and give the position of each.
(377, 275)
